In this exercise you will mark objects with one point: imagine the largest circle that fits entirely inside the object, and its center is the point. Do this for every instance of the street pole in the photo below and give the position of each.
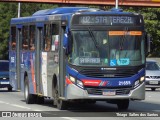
(116, 4)
(19, 9)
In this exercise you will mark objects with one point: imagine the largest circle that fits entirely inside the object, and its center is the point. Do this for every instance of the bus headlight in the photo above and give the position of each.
(79, 83)
(72, 79)
(75, 81)
(136, 83)
(142, 79)
(139, 81)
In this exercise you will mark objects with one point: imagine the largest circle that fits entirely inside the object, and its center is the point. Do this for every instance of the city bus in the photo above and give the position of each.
(79, 54)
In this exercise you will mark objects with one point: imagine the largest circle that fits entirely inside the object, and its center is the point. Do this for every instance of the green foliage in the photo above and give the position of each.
(9, 10)
(152, 26)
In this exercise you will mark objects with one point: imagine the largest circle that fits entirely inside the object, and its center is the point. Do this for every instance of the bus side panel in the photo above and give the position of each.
(22, 54)
(49, 67)
(31, 72)
(12, 68)
(44, 74)
(28, 67)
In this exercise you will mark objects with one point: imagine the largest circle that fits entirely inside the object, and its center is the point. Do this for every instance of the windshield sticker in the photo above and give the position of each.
(106, 61)
(123, 61)
(89, 60)
(113, 62)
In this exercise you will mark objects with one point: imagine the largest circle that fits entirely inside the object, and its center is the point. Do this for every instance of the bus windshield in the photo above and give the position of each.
(107, 48)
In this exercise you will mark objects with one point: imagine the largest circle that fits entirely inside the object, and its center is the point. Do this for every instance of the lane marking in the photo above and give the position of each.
(4, 102)
(19, 106)
(15, 105)
(37, 110)
(69, 118)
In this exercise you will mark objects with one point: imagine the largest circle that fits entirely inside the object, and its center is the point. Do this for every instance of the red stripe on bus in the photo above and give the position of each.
(68, 81)
(32, 74)
(91, 82)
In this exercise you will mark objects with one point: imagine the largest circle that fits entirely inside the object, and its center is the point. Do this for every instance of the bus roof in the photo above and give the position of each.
(60, 10)
(62, 13)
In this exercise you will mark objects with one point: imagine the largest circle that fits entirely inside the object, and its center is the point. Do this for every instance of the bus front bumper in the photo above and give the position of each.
(74, 92)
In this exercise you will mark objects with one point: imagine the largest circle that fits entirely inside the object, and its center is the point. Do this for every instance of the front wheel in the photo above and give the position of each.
(123, 104)
(30, 98)
(40, 100)
(9, 89)
(153, 89)
(61, 104)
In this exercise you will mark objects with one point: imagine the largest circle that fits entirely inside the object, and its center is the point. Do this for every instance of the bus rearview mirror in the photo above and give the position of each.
(66, 44)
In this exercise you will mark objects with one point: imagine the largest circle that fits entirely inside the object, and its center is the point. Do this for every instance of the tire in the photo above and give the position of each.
(29, 98)
(123, 104)
(61, 104)
(39, 100)
(153, 89)
(9, 89)
(92, 101)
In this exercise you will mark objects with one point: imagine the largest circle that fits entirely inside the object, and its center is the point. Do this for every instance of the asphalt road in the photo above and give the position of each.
(14, 101)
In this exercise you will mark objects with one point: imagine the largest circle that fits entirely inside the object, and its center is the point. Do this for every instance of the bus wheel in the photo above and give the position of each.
(40, 100)
(9, 89)
(61, 104)
(30, 98)
(153, 89)
(123, 104)
(92, 101)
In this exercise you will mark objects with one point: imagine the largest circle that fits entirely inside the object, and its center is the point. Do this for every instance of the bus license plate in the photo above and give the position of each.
(109, 92)
(153, 82)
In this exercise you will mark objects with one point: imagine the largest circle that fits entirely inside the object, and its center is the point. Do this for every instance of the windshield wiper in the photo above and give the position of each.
(121, 47)
(93, 38)
(123, 39)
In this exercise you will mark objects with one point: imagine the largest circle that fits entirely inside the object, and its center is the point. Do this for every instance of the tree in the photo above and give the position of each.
(152, 26)
(8, 11)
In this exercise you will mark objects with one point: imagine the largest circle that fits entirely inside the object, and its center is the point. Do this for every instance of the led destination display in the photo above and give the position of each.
(106, 20)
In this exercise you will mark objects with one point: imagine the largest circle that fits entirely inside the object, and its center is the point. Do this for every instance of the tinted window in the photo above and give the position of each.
(4, 66)
(25, 38)
(152, 66)
(13, 38)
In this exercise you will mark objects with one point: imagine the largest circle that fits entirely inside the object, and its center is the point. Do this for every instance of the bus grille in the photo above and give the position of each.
(98, 73)
(96, 91)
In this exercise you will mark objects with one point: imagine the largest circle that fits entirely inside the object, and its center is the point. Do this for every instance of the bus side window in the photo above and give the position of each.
(47, 37)
(13, 38)
(32, 38)
(55, 37)
(25, 38)
(47, 43)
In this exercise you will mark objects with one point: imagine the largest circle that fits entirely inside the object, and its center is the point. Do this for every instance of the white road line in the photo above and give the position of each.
(20, 106)
(69, 118)
(4, 102)
(37, 110)
(15, 105)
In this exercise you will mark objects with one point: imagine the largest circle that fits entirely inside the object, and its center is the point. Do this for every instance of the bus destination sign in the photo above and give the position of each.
(106, 20)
